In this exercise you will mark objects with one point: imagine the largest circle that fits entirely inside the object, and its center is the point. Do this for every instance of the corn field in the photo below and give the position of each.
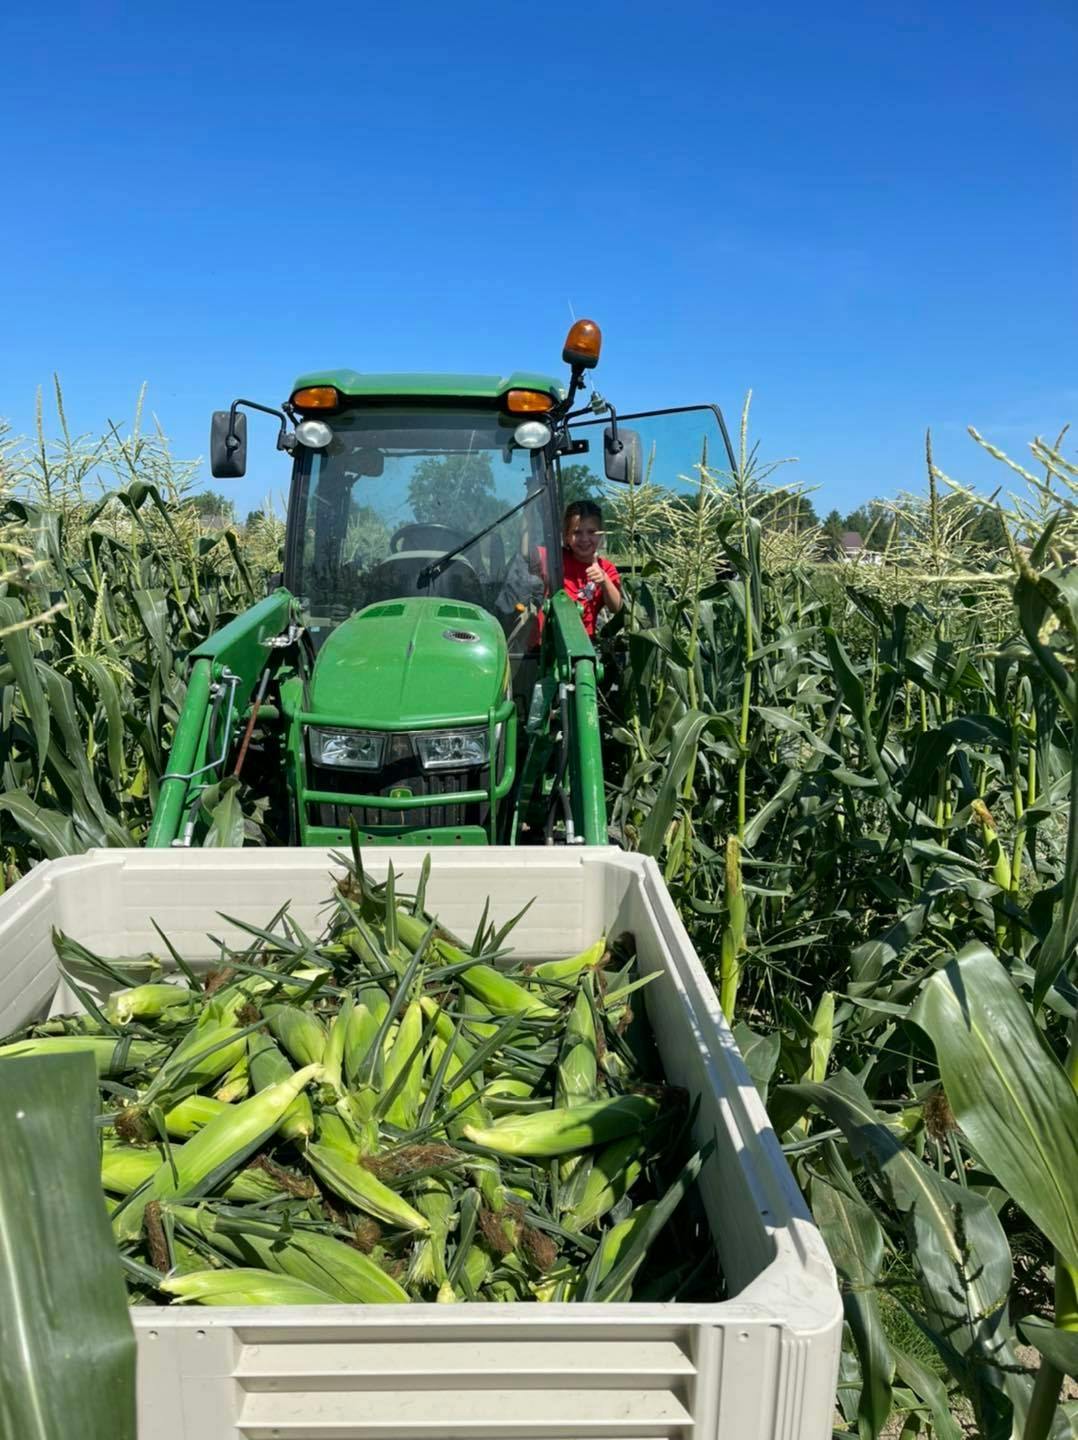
(108, 582)
(859, 782)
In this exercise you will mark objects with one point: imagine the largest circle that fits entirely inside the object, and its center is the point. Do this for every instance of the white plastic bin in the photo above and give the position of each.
(761, 1365)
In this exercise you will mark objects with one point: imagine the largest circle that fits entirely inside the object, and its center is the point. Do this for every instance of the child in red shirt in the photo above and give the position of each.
(590, 579)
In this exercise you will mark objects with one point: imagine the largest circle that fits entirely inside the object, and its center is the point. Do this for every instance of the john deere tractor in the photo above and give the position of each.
(417, 667)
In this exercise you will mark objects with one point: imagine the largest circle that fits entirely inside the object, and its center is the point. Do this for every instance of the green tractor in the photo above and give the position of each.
(417, 667)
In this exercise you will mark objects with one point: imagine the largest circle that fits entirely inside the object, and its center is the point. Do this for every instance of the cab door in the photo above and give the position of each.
(674, 445)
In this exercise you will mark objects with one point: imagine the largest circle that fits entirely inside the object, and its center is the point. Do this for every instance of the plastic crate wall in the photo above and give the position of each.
(760, 1365)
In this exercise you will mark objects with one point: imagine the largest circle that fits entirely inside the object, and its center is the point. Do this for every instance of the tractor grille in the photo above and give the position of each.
(403, 772)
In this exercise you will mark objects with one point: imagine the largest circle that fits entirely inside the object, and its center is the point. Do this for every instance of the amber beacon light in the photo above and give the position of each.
(582, 344)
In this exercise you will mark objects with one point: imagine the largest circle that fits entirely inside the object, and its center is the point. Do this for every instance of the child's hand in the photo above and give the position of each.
(596, 572)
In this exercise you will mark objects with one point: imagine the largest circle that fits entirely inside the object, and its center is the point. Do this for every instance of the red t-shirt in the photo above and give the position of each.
(578, 587)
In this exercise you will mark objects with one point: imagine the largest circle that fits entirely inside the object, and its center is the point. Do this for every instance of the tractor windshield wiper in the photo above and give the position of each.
(430, 573)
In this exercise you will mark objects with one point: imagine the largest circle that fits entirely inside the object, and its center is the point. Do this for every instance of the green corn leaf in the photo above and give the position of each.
(1008, 1092)
(53, 832)
(108, 694)
(855, 1239)
(1059, 1347)
(226, 816)
(956, 1240)
(19, 650)
(152, 608)
(931, 1389)
(67, 724)
(683, 743)
(69, 1348)
(760, 1054)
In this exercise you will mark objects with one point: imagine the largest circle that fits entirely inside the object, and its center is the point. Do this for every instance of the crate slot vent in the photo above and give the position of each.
(527, 1390)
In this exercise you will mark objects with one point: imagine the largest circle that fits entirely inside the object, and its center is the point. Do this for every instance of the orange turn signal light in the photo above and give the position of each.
(528, 402)
(582, 344)
(317, 397)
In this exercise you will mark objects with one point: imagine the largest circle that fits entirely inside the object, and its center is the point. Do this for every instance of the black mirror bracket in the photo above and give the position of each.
(599, 406)
(228, 438)
(565, 444)
(285, 439)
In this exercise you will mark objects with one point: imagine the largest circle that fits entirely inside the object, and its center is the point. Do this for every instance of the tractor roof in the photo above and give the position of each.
(429, 387)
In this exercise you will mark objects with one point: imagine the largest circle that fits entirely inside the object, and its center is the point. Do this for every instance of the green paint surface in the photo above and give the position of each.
(395, 665)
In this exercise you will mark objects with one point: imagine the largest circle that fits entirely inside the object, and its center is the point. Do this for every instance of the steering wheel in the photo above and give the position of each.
(423, 535)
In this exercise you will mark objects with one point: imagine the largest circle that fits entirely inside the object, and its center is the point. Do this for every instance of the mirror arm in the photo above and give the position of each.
(285, 439)
(615, 443)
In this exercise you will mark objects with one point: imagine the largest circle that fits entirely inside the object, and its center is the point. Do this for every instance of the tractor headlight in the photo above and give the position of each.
(348, 749)
(452, 749)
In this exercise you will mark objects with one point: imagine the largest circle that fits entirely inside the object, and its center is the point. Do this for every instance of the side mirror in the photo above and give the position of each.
(623, 457)
(228, 448)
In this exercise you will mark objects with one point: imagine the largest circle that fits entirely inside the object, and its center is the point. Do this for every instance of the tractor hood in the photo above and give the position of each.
(404, 662)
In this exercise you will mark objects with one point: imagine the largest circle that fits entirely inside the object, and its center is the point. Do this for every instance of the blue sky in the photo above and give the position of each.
(865, 213)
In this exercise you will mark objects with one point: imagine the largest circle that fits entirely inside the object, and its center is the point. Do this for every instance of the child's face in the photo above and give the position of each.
(583, 537)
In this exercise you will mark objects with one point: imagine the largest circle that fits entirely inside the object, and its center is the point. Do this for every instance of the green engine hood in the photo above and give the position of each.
(400, 663)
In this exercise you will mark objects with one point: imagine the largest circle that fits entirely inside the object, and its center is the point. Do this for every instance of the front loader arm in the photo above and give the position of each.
(576, 666)
(225, 669)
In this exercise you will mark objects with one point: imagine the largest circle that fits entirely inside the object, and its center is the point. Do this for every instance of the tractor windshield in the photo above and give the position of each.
(396, 490)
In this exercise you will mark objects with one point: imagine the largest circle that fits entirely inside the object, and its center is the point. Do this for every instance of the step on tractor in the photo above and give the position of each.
(417, 672)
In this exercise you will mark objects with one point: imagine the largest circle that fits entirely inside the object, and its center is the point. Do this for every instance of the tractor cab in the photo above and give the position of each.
(423, 675)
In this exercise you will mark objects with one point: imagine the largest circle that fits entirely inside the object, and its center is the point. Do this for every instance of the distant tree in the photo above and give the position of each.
(455, 490)
(209, 503)
(580, 482)
(874, 523)
(834, 524)
(857, 520)
(254, 519)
